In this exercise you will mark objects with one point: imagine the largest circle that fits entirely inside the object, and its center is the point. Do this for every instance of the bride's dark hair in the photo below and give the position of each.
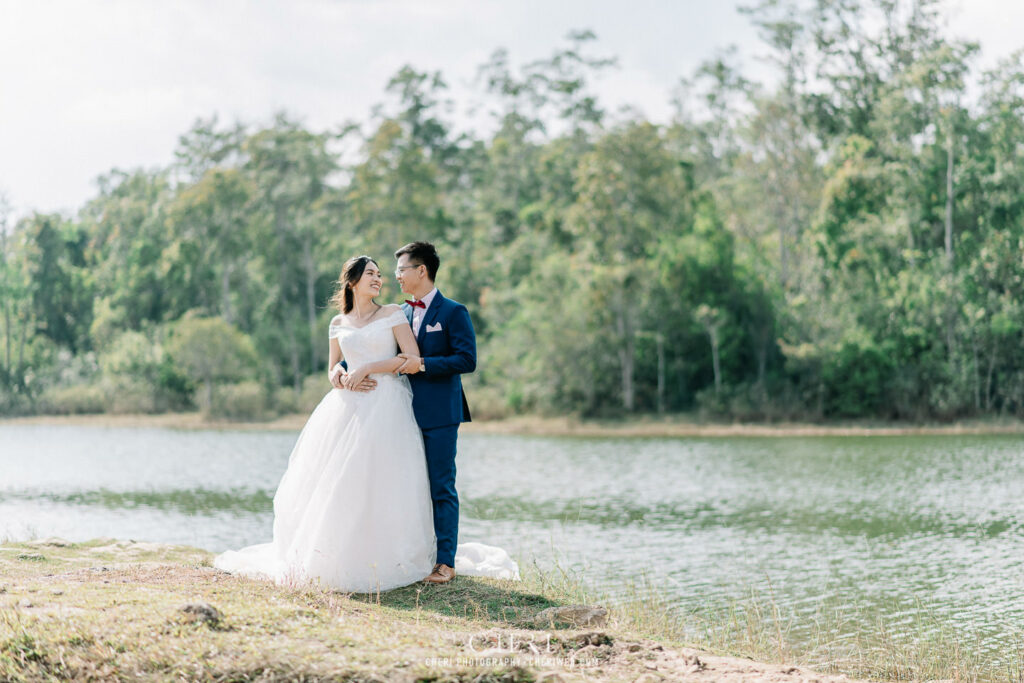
(351, 272)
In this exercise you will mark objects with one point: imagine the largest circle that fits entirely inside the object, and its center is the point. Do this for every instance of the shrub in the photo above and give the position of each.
(209, 351)
(78, 399)
(140, 378)
(857, 378)
(241, 401)
(314, 388)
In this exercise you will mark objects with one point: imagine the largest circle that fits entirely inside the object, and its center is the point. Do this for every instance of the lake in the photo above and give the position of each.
(888, 527)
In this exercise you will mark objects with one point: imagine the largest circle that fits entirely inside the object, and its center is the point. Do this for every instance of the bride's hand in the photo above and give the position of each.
(353, 379)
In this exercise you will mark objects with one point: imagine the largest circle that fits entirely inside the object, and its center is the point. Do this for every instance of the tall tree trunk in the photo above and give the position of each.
(8, 298)
(977, 371)
(715, 363)
(988, 377)
(951, 303)
(21, 354)
(659, 339)
(310, 268)
(281, 225)
(949, 200)
(783, 255)
(626, 351)
(7, 334)
(762, 362)
(208, 392)
(225, 294)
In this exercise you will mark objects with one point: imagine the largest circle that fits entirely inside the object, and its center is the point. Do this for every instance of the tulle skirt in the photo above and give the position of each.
(353, 510)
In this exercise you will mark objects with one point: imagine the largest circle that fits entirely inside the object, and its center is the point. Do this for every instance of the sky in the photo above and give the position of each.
(91, 85)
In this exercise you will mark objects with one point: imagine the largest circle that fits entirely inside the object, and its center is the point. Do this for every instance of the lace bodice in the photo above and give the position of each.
(370, 343)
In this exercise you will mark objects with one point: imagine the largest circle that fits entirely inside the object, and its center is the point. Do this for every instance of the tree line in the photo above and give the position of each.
(843, 240)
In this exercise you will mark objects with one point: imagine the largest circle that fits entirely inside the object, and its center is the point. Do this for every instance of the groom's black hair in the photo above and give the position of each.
(422, 252)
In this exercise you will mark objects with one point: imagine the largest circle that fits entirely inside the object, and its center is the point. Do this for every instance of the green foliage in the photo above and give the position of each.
(241, 401)
(209, 352)
(287, 400)
(844, 243)
(857, 376)
(75, 400)
(141, 377)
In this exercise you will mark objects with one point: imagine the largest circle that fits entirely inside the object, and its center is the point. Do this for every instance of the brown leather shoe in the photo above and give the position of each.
(442, 574)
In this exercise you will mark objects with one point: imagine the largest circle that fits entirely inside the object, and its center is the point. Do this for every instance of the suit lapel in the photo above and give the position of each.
(430, 317)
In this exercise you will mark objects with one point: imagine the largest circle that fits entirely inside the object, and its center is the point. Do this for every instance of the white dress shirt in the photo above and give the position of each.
(419, 313)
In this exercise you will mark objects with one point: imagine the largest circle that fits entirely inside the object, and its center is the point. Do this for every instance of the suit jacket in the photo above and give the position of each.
(448, 347)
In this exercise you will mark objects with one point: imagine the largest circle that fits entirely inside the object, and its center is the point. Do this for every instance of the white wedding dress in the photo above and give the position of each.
(353, 510)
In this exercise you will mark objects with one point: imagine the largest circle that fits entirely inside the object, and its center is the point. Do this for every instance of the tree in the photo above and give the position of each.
(209, 351)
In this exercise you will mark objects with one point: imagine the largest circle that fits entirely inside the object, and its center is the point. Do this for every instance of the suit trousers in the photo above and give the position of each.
(439, 444)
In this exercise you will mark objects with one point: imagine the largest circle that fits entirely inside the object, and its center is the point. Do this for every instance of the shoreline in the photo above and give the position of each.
(642, 427)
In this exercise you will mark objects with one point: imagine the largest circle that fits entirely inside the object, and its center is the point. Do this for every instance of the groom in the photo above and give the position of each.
(447, 343)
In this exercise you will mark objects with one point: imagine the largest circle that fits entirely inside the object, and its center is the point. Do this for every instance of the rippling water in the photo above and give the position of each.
(890, 526)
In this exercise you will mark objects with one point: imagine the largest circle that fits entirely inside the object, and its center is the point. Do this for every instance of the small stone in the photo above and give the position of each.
(53, 542)
(550, 677)
(635, 647)
(647, 678)
(594, 638)
(58, 593)
(572, 615)
(651, 665)
(26, 604)
(203, 611)
(693, 664)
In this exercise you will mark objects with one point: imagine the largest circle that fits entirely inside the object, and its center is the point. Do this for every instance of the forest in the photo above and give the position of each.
(841, 240)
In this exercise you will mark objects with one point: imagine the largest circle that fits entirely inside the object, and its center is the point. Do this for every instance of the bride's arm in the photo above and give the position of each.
(406, 341)
(336, 355)
(335, 369)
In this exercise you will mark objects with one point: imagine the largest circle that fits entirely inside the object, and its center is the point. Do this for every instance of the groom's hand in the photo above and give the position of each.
(411, 365)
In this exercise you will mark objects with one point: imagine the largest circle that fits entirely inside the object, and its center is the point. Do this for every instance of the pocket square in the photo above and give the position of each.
(436, 327)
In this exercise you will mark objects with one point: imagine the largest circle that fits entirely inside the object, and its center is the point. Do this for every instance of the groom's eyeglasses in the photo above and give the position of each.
(399, 269)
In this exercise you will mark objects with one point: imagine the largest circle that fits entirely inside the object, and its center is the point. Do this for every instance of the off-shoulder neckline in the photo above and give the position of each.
(385, 318)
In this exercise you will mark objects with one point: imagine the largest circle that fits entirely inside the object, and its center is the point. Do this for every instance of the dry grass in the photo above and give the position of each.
(111, 611)
(843, 639)
(106, 610)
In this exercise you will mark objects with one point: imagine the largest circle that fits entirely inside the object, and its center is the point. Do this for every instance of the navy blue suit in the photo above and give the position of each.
(448, 348)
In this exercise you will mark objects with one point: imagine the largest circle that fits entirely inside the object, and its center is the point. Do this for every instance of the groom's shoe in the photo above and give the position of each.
(442, 574)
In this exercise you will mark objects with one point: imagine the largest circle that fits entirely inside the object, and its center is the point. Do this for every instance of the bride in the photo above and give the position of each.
(353, 509)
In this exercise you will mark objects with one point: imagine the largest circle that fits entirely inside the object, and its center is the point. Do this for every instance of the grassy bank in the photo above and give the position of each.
(113, 611)
(674, 426)
(107, 610)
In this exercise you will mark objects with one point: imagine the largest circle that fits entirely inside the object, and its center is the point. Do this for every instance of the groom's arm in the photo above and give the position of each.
(462, 339)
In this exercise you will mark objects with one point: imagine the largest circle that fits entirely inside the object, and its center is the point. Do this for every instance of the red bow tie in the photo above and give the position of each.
(418, 304)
